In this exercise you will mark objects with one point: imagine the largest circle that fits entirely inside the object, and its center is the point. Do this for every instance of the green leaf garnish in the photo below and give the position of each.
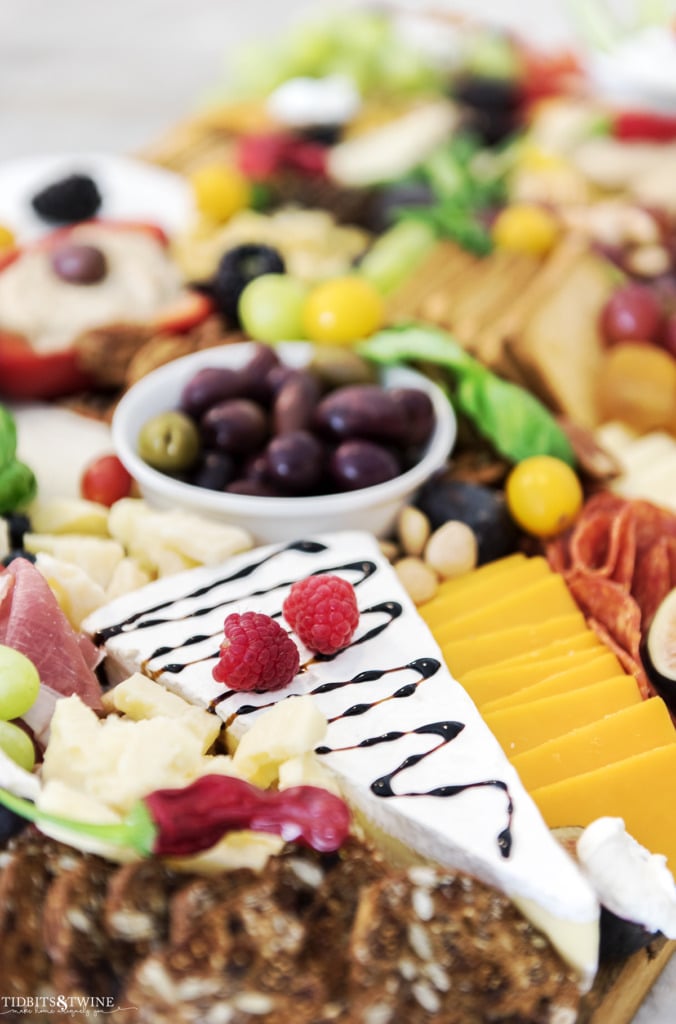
(516, 423)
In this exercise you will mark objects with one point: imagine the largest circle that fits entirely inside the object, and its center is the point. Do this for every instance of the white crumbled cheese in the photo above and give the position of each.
(333, 100)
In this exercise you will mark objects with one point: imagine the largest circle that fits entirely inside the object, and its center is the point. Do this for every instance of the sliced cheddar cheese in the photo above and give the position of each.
(528, 725)
(468, 653)
(479, 592)
(632, 730)
(545, 599)
(489, 684)
(556, 648)
(631, 789)
(603, 666)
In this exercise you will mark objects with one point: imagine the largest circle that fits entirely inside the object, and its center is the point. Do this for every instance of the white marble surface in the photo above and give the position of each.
(83, 76)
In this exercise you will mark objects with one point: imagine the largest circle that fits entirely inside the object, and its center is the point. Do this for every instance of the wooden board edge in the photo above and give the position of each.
(620, 988)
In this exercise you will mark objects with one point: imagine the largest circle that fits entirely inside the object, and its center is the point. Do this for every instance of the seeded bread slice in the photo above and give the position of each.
(429, 947)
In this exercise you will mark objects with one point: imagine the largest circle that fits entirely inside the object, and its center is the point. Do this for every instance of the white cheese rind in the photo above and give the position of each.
(459, 830)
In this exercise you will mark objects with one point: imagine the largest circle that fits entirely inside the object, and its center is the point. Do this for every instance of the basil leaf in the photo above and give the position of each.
(516, 423)
(7, 437)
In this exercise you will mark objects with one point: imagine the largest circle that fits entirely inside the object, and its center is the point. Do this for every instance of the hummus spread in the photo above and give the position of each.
(50, 312)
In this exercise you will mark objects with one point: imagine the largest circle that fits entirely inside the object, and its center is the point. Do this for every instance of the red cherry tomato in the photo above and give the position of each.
(106, 481)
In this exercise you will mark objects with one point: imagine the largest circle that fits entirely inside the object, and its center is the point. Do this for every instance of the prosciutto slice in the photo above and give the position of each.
(32, 622)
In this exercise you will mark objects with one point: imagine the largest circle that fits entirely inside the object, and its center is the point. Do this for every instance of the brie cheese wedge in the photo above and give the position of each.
(411, 752)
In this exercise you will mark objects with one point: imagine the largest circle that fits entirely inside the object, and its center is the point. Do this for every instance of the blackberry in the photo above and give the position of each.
(68, 200)
(239, 266)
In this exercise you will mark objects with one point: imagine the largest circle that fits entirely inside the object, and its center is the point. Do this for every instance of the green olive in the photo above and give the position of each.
(336, 366)
(169, 441)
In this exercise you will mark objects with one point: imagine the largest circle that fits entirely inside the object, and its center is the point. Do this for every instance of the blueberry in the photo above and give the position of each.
(68, 200)
(239, 266)
(10, 824)
(18, 553)
(18, 524)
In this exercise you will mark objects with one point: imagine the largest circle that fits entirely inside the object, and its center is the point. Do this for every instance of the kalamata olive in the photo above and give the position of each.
(256, 371)
(236, 426)
(79, 264)
(360, 410)
(215, 471)
(295, 403)
(253, 489)
(169, 441)
(256, 468)
(208, 386)
(417, 413)
(276, 379)
(337, 366)
(357, 464)
(296, 461)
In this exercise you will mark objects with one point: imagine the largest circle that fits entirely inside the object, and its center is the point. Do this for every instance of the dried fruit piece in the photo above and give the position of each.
(637, 386)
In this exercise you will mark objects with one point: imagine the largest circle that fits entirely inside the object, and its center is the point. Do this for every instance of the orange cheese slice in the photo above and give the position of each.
(452, 600)
(632, 730)
(556, 648)
(528, 725)
(603, 666)
(493, 682)
(467, 653)
(545, 599)
(632, 789)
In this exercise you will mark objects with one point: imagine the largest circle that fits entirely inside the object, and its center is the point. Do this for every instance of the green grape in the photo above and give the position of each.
(271, 308)
(17, 745)
(394, 255)
(19, 683)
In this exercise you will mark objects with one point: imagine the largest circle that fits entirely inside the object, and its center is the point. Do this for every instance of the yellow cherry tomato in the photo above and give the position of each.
(220, 191)
(544, 495)
(7, 239)
(343, 310)
(526, 228)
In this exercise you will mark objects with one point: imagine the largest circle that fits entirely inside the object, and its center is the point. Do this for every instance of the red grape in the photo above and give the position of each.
(632, 313)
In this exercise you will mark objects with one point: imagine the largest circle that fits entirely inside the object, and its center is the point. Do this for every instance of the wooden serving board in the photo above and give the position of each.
(620, 988)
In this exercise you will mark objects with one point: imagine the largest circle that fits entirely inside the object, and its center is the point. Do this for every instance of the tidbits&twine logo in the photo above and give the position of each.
(82, 1005)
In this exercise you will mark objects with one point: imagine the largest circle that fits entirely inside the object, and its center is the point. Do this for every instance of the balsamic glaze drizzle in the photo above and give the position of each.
(447, 731)
(309, 547)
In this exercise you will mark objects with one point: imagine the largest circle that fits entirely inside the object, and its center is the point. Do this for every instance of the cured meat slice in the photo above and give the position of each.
(606, 602)
(32, 622)
(655, 576)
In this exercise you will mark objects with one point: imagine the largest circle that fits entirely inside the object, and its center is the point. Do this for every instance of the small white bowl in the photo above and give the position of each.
(273, 519)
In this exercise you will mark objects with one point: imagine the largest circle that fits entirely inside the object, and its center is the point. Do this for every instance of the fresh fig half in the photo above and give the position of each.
(659, 650)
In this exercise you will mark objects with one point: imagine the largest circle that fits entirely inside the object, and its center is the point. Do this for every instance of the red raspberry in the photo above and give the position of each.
(323, 612)
(257, 654)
